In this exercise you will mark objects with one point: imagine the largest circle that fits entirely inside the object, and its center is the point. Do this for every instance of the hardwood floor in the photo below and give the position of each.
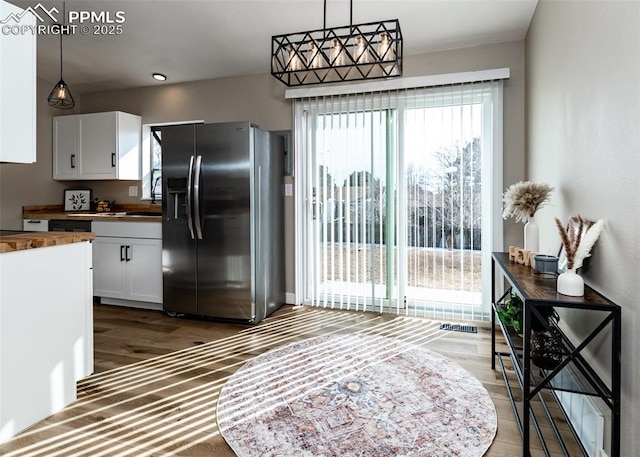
(157, 379)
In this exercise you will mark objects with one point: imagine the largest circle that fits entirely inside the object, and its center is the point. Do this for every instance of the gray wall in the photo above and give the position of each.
(260, 99)
(31, 184)
(583, 113)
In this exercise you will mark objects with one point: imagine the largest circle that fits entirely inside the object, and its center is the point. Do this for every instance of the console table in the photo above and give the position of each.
(538, 291)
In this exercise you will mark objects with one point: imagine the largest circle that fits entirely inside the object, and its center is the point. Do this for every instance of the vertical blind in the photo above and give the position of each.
(396, 201)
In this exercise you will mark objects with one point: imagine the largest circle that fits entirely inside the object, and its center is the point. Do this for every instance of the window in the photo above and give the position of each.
(152, 159)
(156, 164)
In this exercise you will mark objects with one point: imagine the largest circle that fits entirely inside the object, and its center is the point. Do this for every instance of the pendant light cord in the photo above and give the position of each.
(61, 27)
(60, 53)
(351, 14)
(324, 24)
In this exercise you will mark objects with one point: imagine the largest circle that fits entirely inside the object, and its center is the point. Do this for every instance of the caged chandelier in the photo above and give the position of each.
(347, 53)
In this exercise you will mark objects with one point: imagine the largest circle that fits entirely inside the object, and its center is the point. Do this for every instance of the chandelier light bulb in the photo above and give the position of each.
(295, 63)
(337, 53)
(360, 51)
(62, 92)
(384, 47)
(315, 58)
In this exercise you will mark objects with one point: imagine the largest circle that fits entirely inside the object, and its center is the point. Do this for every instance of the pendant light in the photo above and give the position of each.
(60, 97)
(348, 53)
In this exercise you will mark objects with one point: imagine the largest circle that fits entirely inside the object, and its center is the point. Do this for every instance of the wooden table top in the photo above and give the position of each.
(32, 240)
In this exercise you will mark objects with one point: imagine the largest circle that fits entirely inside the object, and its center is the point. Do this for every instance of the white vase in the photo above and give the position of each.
(531, 235)
(570, 283)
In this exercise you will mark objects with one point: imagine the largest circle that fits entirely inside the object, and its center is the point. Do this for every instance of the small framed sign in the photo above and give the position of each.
(77, 199)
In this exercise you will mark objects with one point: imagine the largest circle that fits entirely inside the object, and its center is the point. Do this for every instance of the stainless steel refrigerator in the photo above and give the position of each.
(222, 229)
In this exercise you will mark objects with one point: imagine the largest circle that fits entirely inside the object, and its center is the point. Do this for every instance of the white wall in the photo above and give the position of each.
(583, 136)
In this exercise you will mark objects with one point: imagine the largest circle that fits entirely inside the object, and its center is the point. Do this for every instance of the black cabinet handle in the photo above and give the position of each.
(73, 160)
(126, 250)
(113, 159)
(122, 253)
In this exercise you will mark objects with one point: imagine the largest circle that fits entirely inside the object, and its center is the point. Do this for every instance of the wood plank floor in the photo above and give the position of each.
(157, 380)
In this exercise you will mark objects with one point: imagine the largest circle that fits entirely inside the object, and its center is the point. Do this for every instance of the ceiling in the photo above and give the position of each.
(190, 40)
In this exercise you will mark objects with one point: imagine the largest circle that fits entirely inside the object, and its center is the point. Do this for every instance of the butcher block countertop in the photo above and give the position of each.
(129, 213)
(32, 240)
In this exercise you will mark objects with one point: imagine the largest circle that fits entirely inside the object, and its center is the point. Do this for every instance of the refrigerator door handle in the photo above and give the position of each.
(196, 197)
(189, 185)
(259, 259)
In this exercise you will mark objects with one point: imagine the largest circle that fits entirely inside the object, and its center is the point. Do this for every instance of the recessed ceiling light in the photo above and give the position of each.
(159, 77)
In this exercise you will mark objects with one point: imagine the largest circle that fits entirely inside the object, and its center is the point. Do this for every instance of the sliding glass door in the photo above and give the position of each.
(351, 226)
(442, 177)
(396, 200)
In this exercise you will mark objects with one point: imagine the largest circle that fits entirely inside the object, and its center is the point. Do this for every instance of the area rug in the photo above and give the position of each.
(355, 395)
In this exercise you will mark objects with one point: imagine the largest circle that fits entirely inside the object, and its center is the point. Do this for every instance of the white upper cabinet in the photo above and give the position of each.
(65, 148)
(97, 146)
(18, 94)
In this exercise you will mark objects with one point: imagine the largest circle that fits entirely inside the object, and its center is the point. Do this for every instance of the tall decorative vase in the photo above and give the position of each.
(570, 283)
(531, 235)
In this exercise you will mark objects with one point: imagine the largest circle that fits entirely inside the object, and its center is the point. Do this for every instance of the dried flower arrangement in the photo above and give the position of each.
(577, 241)
(524, 198)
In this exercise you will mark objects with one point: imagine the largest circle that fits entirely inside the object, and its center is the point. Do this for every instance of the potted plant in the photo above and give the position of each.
(510, 312)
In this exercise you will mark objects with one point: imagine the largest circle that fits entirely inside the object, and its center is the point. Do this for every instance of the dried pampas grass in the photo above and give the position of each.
(524, 198)
(588, 240)
(578, 243)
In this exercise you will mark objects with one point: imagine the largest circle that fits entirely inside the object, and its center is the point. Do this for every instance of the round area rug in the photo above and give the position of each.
(355, 395)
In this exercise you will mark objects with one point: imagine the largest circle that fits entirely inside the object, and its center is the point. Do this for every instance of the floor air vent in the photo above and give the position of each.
(459, 328)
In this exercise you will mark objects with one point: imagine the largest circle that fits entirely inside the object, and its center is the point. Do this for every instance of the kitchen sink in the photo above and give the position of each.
(143, 213)
(120, 213)
(98, 214)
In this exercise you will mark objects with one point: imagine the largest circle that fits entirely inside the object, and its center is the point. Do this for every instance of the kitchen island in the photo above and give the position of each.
(46, 324)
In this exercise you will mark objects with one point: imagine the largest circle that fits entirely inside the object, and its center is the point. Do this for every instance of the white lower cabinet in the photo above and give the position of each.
(124, 268)
(46, 332)
(128, 270)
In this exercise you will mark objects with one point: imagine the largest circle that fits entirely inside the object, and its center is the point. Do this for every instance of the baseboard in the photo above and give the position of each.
(290, 298)
(131, 303)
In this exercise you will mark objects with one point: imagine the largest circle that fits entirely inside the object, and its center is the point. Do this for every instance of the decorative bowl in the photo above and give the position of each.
(545, 263)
